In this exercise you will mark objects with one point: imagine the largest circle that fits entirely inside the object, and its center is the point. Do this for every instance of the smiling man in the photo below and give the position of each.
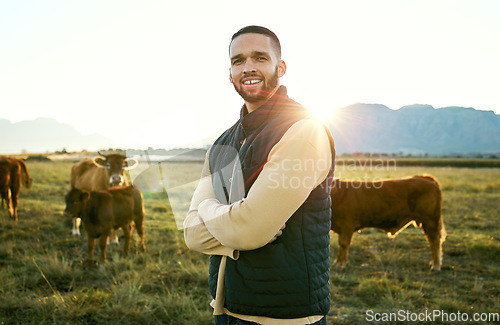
(256, 67)
(262, 207)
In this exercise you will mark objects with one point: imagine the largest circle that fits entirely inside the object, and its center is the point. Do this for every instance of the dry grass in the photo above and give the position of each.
(44, 281)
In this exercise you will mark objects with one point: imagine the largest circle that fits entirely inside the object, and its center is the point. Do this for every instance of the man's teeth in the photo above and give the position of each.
(251, 82)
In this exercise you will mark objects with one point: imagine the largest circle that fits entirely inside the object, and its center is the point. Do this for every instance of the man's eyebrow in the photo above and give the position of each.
(254, 53)
(236, 57)
(259, 53)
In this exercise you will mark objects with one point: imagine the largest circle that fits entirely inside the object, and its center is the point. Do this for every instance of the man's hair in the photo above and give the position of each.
(253, 29)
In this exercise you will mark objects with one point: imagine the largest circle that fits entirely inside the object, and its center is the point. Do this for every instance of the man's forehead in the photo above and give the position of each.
(250, 42)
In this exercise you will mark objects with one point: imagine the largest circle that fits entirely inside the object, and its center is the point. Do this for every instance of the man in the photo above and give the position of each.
(262, 207)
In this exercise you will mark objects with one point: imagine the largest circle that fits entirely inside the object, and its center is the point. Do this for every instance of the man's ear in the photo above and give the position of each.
(230, 77)
(281, 68)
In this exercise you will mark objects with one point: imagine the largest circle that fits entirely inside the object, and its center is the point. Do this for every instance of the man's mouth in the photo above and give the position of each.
(251, 82)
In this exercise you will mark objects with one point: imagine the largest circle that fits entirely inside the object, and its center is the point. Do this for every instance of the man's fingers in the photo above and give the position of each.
(279, 233)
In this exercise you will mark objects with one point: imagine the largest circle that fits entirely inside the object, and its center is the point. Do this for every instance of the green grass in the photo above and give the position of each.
(44, 281)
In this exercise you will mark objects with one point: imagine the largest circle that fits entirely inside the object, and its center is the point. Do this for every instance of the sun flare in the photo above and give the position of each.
(323, 113)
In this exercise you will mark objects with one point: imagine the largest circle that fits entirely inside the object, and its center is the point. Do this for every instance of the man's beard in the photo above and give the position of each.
(268, 85)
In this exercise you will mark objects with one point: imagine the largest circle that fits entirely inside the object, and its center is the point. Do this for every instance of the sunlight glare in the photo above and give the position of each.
(322, 113)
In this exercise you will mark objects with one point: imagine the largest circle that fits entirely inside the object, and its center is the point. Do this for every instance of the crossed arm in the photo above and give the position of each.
(298, 163)
(196, 234)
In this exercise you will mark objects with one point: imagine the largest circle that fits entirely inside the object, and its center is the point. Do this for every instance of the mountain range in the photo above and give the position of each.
(365, 128)
(47, 135)
(415, 129)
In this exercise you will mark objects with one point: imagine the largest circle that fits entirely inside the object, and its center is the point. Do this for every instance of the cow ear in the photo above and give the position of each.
(130, 163)
(100, 161)
(85, 196)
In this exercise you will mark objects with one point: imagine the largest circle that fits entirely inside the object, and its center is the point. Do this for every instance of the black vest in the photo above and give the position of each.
(288, 278)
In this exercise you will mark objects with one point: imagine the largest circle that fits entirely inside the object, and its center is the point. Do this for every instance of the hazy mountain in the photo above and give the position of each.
(367, 128)
(415, 129)
(45, 134)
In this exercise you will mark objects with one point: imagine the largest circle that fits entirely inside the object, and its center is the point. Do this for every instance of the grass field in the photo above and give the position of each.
(43, 279)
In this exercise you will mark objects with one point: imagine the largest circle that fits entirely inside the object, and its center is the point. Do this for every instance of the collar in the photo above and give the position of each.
(251, 121)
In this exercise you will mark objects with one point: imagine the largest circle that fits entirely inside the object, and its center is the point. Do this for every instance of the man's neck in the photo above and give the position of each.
(254, 105)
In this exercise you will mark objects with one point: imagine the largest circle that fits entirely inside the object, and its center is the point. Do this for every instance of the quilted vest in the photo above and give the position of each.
(288, 278)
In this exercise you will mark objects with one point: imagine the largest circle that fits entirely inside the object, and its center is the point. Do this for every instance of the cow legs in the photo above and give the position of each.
(7, 200)
(4, 199)
(436, 235)
(103, 240)
(76, 226)
(345, 239)
(127, 233)
(13, 198)
(90, 257)
(139, 227)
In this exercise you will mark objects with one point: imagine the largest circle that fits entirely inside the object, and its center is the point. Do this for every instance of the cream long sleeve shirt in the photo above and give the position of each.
(297, 164)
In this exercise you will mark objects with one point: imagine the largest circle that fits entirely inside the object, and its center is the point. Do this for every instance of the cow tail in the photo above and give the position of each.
(440, 213)
(439, 204)
(138, 204)
(24, 170)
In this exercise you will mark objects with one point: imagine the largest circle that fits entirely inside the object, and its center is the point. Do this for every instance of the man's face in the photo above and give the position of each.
(255, 67)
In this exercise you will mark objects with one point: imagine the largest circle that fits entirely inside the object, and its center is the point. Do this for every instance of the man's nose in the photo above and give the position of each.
(249, 66)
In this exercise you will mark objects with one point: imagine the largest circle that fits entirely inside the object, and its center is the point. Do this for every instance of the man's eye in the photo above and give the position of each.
(261, 58)
(237, 62)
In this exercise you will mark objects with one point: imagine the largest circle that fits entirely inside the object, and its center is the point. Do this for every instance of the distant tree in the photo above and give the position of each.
(38, 158)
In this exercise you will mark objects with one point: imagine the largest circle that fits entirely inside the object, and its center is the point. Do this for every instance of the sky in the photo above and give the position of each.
(151, 73)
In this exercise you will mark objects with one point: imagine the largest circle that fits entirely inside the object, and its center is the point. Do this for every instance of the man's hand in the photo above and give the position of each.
(279, 233)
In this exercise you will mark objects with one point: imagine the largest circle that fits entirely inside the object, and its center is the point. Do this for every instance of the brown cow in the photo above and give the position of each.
(102, 211)
(13, 173)
(97, 174)
(390, 205)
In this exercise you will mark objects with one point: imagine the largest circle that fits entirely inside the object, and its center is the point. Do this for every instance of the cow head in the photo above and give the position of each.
(116, 164)
(75, 202)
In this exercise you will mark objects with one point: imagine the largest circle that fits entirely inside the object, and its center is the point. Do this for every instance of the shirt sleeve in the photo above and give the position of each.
(196, 234)
(298, 163)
